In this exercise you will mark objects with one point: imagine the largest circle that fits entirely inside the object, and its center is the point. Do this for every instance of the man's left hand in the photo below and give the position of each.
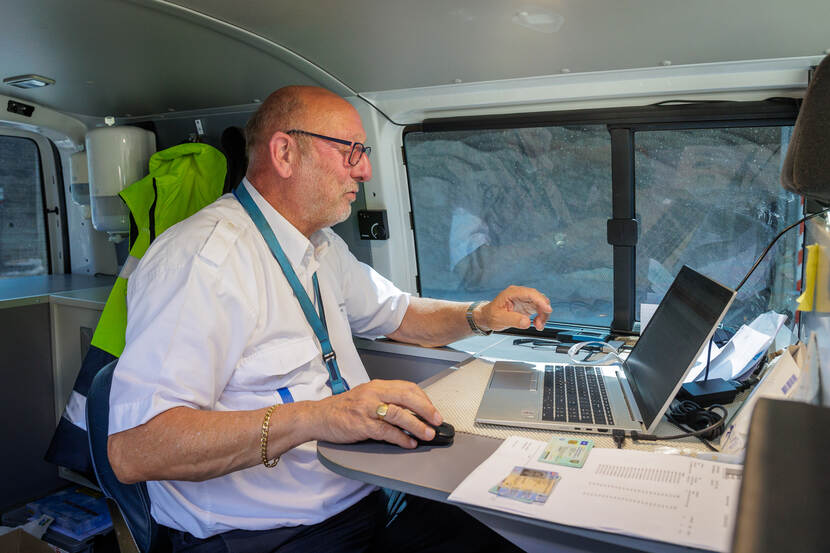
(512, 308)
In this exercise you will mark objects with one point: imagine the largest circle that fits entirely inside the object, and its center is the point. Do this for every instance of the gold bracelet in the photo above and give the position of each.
(263, 439)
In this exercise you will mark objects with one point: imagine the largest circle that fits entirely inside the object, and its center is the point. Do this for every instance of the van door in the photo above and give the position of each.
(32, 210)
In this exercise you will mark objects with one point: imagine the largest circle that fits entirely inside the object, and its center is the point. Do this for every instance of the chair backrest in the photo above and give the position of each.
(806, 167)
(133, 500)
(785, 492)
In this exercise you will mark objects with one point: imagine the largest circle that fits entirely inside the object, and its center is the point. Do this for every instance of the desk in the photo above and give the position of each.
(433, 472)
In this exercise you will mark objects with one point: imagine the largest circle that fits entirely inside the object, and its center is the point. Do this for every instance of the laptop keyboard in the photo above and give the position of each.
(575, 393)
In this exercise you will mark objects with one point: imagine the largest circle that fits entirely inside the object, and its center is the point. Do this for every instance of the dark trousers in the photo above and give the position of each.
(423, 526)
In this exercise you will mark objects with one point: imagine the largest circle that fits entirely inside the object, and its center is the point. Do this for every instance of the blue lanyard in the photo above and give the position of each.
(317, 322)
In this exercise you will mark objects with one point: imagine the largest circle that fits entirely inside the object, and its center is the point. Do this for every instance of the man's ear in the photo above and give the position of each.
(282, 152)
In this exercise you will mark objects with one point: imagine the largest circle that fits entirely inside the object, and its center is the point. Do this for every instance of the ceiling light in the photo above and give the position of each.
(28, 81)
(539, 19)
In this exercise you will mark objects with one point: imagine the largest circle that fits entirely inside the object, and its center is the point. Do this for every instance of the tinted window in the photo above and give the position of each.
(23, 249)
(523, 206)
(712, 199)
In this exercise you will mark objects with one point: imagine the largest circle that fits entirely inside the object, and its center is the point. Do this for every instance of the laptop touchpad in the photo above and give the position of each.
(514, 379)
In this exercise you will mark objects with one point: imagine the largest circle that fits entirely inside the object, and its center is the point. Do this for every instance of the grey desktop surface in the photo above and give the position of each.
(427, 471)
(37, 289)
(86, 297)
(433, 472)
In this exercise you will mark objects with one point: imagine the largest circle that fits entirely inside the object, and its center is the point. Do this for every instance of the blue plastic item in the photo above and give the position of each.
(77, 514)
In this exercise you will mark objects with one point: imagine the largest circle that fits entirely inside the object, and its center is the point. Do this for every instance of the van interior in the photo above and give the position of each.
(587, 149)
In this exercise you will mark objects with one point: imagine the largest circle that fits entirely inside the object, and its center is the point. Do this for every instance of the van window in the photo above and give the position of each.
(23, 238)
(515, 206)
(529, 205)
(712, 199)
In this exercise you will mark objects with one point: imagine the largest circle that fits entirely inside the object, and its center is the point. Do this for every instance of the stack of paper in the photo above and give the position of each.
(742, 352)
(669, 498)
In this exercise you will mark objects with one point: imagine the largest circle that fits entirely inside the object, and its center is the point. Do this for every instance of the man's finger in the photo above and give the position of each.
(541, 319)
(408, 396)
(508, 319)
(406, 420)
(387, 432)
(532, 296)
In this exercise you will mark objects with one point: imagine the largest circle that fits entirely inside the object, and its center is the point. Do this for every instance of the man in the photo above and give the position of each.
(222, 390)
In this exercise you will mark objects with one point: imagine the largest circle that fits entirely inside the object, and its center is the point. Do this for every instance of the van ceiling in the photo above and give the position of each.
(141, 57)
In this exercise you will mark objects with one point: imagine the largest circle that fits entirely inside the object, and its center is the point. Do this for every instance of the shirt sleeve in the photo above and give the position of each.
(375, 306)
(187, 326)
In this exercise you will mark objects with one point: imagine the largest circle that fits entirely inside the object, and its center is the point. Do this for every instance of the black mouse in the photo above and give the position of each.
(444, 434)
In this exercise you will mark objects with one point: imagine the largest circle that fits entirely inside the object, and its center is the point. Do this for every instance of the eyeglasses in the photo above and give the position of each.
(356, 153)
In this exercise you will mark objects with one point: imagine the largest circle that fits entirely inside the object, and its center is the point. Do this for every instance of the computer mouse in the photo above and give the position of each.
(444, 433)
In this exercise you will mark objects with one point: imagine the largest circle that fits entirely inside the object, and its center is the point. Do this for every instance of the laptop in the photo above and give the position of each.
(630, 396)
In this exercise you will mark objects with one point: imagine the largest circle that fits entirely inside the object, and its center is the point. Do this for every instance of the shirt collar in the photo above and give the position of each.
(299, 250)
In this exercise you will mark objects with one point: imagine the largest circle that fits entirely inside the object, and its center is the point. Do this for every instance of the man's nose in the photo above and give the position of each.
(362, 172)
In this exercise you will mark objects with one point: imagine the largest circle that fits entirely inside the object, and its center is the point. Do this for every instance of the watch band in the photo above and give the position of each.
(473, 326)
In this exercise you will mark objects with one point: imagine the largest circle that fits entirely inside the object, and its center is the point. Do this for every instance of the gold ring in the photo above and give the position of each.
(381, 410)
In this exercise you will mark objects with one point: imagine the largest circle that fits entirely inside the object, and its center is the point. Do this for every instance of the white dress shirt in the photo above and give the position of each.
(213, 324)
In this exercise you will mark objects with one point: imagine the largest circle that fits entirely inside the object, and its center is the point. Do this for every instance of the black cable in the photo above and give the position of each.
(685, 414)
(774, 240)
(690, 414)
(701, 439)
(748, 383)
(380, 111)
(755, 266)
(618, 436)
(708, 358)
(682, 102)
(530, 342)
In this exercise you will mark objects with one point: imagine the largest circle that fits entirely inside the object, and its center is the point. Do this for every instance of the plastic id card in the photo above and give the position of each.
(568, 452)
(527, 485)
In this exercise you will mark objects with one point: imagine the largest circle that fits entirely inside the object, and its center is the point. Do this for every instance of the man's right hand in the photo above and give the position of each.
(352, 416)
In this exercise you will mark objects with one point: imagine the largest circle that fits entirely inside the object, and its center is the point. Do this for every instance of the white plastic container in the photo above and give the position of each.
(116, 158)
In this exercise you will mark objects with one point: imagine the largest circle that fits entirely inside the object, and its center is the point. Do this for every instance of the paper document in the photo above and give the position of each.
(742, 352)
(780, 381)
(669, 498)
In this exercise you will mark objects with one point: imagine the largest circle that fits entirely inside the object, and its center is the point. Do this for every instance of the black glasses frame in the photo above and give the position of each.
(358, 147)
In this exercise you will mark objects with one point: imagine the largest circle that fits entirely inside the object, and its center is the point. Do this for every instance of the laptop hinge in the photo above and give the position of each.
(628, 396)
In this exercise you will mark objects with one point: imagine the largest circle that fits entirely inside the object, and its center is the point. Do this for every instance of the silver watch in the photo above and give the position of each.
(473, 326)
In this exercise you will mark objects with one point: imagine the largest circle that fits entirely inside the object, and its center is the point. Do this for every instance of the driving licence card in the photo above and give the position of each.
(570, 452)
(527, 485)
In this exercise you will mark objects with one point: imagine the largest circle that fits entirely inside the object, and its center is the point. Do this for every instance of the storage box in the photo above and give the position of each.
(64, 544)
(78, 513)
(18, 541)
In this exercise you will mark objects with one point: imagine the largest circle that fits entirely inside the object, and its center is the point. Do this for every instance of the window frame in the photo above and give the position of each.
(622, 124)
(53, 199)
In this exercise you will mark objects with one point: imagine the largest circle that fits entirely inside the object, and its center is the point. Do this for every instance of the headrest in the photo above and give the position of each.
(806, 169)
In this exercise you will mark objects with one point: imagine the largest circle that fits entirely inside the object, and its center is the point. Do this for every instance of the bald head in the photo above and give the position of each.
(291, 107)
(309, 177)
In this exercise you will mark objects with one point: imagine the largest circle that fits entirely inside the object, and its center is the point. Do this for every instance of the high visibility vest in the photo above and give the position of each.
(182, 180)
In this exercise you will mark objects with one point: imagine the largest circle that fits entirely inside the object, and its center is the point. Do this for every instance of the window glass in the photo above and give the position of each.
(521, 206)
(712, 199)
(23, 249)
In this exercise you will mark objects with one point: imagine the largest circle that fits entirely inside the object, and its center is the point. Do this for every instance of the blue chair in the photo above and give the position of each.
(133, 500)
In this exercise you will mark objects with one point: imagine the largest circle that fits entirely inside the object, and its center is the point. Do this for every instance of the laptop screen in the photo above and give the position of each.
(672, 341)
